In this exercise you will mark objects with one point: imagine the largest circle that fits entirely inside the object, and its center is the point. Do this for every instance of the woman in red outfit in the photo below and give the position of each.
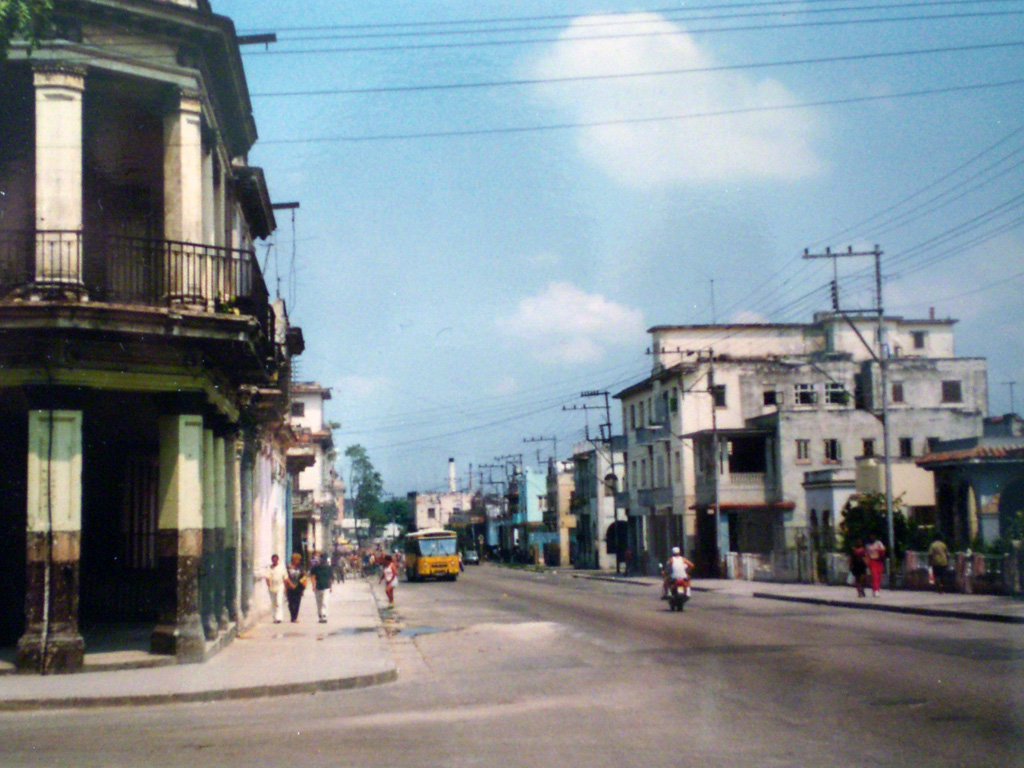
(875, 553)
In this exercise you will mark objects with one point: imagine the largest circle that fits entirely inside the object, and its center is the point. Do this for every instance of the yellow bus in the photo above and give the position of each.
(431, 554)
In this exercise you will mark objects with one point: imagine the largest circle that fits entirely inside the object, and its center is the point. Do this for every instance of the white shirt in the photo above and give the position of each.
(275, 577)
(678, 568)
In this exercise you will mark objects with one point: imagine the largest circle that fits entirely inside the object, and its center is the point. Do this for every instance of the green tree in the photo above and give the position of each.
(398, 511)
(27, 19)
(864, 516)
(365, 486)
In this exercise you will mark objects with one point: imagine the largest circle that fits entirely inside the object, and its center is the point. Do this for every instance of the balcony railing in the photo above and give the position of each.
(130, 270)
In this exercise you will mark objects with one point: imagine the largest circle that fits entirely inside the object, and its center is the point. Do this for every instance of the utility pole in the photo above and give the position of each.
(881, 358)
(717, 455)
(552, 440)
(606, 435)
(1011, 385)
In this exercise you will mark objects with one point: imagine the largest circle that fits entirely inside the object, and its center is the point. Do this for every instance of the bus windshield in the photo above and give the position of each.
(435, 547)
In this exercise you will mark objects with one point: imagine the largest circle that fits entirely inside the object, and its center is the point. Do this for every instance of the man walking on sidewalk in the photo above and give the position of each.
(323, 582)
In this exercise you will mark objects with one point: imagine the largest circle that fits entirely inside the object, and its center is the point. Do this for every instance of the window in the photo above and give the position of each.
(298, 410)
(897, 391)
(803, 451)
(718, 395)
(833, 455)
(868, 447)
(771, 397)
(632, 416)
(643, 473)
(952, 392)
(431, 513)
(835, 393)
(906, 447)
(661, 473)
(933, 444)
(677, 467)
(804, 394)
(673, 401)
(919, 338)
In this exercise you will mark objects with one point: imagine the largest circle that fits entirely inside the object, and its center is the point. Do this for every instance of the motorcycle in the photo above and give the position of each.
(678, 593)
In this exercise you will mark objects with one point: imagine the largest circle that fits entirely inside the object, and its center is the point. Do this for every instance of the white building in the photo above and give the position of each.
(313, 455)
(593, 502)
(778, 401)
(435, 510)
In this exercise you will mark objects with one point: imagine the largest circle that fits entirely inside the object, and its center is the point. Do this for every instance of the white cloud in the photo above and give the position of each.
(564, 324)
(756, 145)
(505, 386)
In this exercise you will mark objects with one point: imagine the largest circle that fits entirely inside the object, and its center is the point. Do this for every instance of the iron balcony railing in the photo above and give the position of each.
(131, 270)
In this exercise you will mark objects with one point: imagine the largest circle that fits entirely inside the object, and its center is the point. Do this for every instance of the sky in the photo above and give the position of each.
(497, 200)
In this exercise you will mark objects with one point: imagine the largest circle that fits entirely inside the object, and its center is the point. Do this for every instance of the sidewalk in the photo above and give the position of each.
(349, 651)
(950, 605)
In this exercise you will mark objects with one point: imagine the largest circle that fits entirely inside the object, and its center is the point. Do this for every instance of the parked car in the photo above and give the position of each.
(471, 557)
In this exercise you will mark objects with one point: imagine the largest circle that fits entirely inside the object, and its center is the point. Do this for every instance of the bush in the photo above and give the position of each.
(864, 516)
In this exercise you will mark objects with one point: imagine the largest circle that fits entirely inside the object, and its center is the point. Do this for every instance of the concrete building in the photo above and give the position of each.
(312, 458)
(436, 509)
(979, 483)
(558, 513)
(593, 503)
(139, 349)
(739, 414)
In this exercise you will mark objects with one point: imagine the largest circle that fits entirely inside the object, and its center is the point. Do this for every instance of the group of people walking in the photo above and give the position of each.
(867, 559)
(288, 583)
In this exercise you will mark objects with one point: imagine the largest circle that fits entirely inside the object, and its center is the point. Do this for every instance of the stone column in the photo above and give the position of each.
(232, 450)
(58, 113)
(180, 538)
(183, 198)
(208, 570)
(52, 642)
(220, 532)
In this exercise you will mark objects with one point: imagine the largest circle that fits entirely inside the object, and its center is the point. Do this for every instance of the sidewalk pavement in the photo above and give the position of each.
(950, 605)
(349, 651)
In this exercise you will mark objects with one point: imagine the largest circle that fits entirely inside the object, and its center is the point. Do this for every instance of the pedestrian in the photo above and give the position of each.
(275, 583)
(295, 585)
(390, 578)
(874, 551)
(858, 567)
(323, 582)
(938, 562)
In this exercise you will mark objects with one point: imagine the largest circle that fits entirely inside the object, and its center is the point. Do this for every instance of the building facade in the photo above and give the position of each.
(597, 476)
(312, 455)
(722, 435)
(139, 350)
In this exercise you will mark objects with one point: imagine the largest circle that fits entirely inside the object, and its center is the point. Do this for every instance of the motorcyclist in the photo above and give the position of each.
(678, 569)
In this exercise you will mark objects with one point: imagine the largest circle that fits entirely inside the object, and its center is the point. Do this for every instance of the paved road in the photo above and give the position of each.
(509, 668)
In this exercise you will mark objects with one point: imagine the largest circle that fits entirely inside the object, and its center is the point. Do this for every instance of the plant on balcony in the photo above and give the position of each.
(26, 19)
(227, 305)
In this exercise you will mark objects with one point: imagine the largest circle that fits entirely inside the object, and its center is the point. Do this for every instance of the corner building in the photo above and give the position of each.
(749, 415)
(138, 346)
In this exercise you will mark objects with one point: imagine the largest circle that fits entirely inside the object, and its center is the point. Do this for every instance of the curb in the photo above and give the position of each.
(229, 694)
(940, 613)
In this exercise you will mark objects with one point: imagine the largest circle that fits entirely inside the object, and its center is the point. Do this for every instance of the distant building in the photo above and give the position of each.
(593, 503)
(312, 457)
(979, 483)
(734, 417)
(558, 514)
(436, 509)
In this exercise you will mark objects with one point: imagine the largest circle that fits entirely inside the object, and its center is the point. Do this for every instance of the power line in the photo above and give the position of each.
(643, 120)
(632, 35)
(632, 75)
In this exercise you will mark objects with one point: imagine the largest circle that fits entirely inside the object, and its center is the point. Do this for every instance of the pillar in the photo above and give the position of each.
(220, 532)
(180, 538)
(208, 569)
(183, 198)
(233, 501)
(58, 159)
(52, 642)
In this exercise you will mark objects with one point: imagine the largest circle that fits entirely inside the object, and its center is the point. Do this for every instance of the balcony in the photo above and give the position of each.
(64, 264)
(655, 497)
(739, 488)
